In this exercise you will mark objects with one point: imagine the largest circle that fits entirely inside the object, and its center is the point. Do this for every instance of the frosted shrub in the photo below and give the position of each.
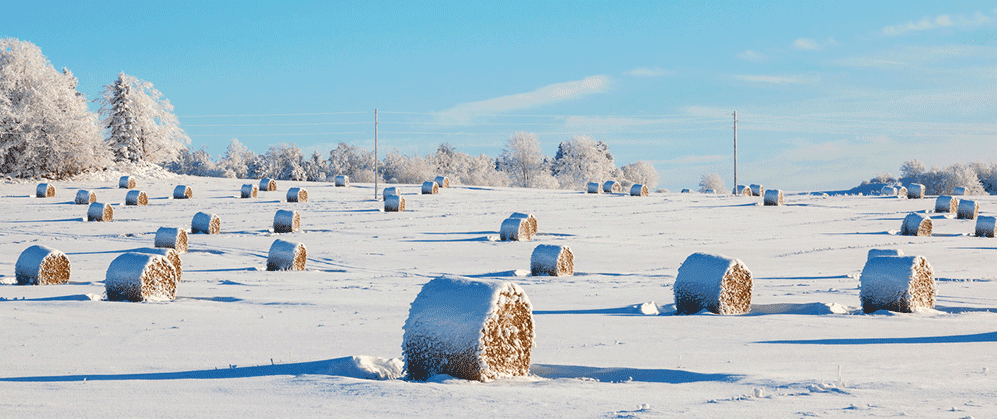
(711, 181)
(640, 172)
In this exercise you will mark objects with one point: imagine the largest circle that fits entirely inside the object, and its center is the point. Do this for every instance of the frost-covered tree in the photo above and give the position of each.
(46, 128)
(582, 160)
(316, 168)
(235, 163)
(523, 160)
(351, 161)
(281, 161)
(196, 163)
(711, 181)
(911, 169)
(399, 168)
(641, 172)
(140, 122)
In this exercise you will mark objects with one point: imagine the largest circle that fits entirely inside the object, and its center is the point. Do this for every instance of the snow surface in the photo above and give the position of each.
(874, 253)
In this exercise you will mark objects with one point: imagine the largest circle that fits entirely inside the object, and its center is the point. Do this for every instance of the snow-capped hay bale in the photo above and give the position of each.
(470, 329)
(141, 277)
(443, 181)
(915, 191)
(268, 185)
(42, 265)
(530, 217)
(430, 188)
(389, 192)
(552, 260)
(44, 190)
(250, 190)
(205, 223)
(742, 190)
(85, 197)
(297, 195)
(285, 221)
(888, 191)
(757, 190)
(916, 225)
(515, 229)
(902, 192)
(612, 186)
(182, 192)
(594, 187)
(286, 256)
(342, 181)
(959, 190)
(716, 283)
(100, 212)
(773, 197)
(945, 203)
(968, 210)
(126, 182)
(394, 203)
(171, 254)
(897, 284)
(875, 253)
(136, 198)
(638, 190)
(985, 226)
(171, 237)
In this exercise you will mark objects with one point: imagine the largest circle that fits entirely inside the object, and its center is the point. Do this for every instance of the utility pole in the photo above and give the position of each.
(735, 152)
(375, 154)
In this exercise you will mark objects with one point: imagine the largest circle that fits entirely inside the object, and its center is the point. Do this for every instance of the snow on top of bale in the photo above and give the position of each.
(136, 197)
(249, 190)
(394, 203)
(286, 256)
(171, 237)
(916, 225)
(985, 226)
(388, 192)
(594, 187)
(342, 181)
(285, 221)
(429, 187)
(712, 282)
(897, 283)
(946, 203)
(85, 197)
(875, 253)
(967, 209)
(442, 181)
(552, 260)
(773, 197)
(141, 277)
(915, 191)
(41, 265)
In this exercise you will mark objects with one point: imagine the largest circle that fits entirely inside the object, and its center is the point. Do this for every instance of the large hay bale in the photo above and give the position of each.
(171, 254)
(394, 203)
(985, 226)
(915, 191)
(85, 197)
(552, 260)
(742, 190)
(716, 283)
(44, 190)
(126, 182)
(171, 237)
(470, 329)
(757, 190)
(268, 185)
(136, 198)
(888, 191)
(916, 225)
(773, 197)
(594, 187)
(285, 221)
(533, 221)
(902, 192)
(182, 192)
(638, 190)
(141, 277)
(286, 256)
(249, 190)
(205, 223)
(515, 229)
(899, 283)
(342, 181)
(42, 265)
(968, 210)
(297, 195)
(100, 212)
(959, 190)
(389, 192)
(875, 253)
(430, 188)
(443, 181)
(945, 203)
(612, 186)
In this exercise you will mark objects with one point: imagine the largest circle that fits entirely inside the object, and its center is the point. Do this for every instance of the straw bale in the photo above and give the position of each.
(594, 187)
(985, 226)
(638, 190)
(268, 185)
(443, 181)
(888, 191)
(126, 182)
(286, 256)
(716, 283)
(141, 277)
(757, 190)
(945, 203)
(898, 283)
(171, 254)
(773, 197)
(342, 181)
(205, 223)
(182, 192)
(875, 253)
(916, 225)
(430, 188)
(250, 190)
(394, 203)
(85, 197)
(470, 329)
(742, 190)
(686, 190)
(285, 221)
(515, 229)
(968, 210)
(297, 195)
(959, 190)
(388, 192)
(136, 198)
(612, 186)
(902, 192)
(171, 237)
(45, 190)
(100, 212)
(42, 265)
(915, 191)
(552, 260)
(531, 218)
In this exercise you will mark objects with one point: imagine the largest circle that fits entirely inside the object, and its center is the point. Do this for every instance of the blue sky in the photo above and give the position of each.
(827, 93)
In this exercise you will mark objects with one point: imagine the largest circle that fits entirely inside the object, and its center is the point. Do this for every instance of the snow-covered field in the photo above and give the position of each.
(239, 341)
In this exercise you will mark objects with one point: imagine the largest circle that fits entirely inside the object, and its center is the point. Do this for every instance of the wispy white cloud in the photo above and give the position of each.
(751, 55)
(780, 80)
(648, 72)
(940, 21)
(914, 56)
(554, 93)
(806, 44)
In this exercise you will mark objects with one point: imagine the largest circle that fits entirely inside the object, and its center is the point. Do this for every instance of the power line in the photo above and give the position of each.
(272, 114)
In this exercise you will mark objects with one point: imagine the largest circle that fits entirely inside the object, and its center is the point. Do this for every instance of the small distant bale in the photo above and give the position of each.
(141, 277)
(515, 229)
(716, 283)
(171, 237)
(389, 192)
(205, 223)
(875, 253)
(85, 197)
(171, 254)
(968, 210)
(686, 191)
(285, 221)
(945, 203)
(742, 190)
(470, 329)
(44, 190)
(757, 190)
(342, 181)
(126, 182)
(430, 188)
(182, 192)
(915, 191)
(297, 195)
(594, 187)
(529, 217)
(42, 265)
(638, 190)
(249, 190)
(552, 260)
(959, 190)
(136, 198)
(916, 225)
(888, 191)
(902, 192)
(394, 203)
(286, 256)
(443, 181)
(268, 185)
(985, 226)
(100, 212)
(899, 283)
(773, 197)
(612, 186)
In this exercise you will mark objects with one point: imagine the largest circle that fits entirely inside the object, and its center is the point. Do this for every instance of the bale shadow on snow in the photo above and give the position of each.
(79, 297)
(618, 311)
(473, 239)
(615, 374)
(299, 368)
(973, 338)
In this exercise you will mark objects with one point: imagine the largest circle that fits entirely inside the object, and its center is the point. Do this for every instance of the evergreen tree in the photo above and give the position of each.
(140, 122)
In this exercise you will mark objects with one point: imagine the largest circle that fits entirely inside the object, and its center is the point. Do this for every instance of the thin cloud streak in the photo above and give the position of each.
(939, 22)
(550, 94)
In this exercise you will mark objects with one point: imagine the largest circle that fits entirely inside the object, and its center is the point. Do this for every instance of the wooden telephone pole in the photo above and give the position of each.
(375, 155)
(735, 152)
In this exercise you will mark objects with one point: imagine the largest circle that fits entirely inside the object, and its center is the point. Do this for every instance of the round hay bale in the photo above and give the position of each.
(515, 229)
(888, 191)
(205, 223)
(552, 260)
(389, 192)
(285, 221)
(968, 210)
(443, 181)
(959, 190)
(916, 225)
(394, 203)
(757, 190)
(126, 182)
(249, 190)
(430, 188)
(530, 218)
(100, 212)
(638, 190)
(898, 283)
(297, 195)
(710, 191)
(44, 190)
(268, 185)
(985, 226)
(85, 197)
(286, 256)
(171, 254)
(182, 192)
(902, 192)
(742, 190)
(687, 190)
(945, 203)
(875, 253)
(42, 265)
(716, 283)
(594, 187)
(773, 197)
(141, 277)
(470, 329)
(915, 191)
(612, 186)
(342, 181)
(136, 198)
(173, 238)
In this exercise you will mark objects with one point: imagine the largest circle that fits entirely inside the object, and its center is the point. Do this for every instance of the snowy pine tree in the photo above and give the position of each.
(140, 122)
